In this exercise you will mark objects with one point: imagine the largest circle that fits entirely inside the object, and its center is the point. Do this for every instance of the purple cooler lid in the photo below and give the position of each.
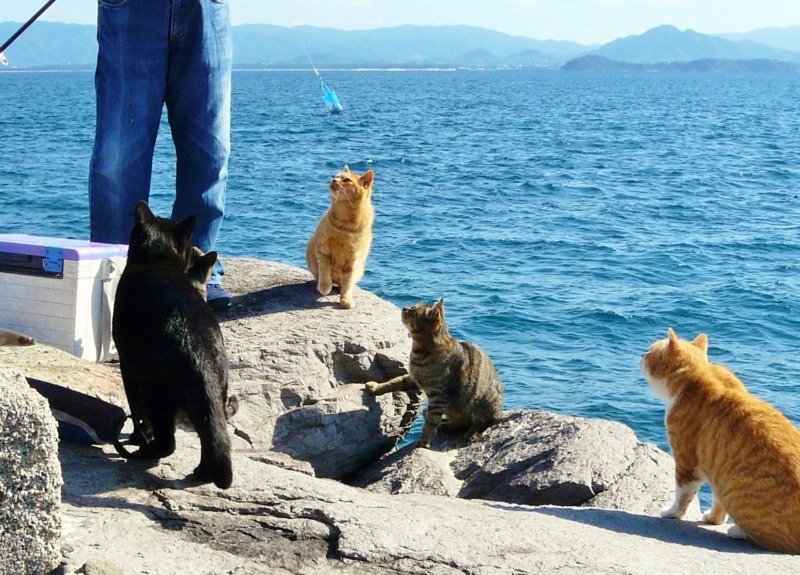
(73, 250)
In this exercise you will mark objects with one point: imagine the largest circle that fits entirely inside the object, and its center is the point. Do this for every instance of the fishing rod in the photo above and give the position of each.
(15, 35)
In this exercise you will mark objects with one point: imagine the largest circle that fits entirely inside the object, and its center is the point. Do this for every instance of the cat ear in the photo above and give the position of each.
(143, 213)
(701, 341)
(673, 340)
(366, 179)
(201, 267)
(346, 169)
(185, 227)
(210, 259)
(439, 307)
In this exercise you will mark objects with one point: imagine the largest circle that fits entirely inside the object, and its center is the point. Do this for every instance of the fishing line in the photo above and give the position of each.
(15, 35)
(328, 95)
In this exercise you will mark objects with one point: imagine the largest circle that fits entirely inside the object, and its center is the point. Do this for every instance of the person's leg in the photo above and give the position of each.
(130, 82)
(198, 104)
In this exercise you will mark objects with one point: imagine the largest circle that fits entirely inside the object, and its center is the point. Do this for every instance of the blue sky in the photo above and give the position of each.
(584, 21)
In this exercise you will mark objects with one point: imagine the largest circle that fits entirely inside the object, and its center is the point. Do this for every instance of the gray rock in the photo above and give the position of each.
(30, 480)
(412, 470)
(278, 521)
(537, 458)
(99, 567)
(542, 458)
(339, 434)
(293, 354)
(295, 359)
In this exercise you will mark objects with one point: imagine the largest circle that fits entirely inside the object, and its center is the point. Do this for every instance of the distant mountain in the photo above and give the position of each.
(260, 45)
(402, 46)
(782, 38)
(49, 44)
(669, 44)
(601, 64)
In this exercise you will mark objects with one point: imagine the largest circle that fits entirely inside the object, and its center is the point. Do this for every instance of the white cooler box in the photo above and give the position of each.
(61, 292)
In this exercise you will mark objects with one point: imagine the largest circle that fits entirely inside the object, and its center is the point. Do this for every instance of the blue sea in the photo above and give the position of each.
(567, 218)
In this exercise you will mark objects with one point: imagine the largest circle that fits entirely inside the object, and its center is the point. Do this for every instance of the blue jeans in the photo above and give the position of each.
(152, 53)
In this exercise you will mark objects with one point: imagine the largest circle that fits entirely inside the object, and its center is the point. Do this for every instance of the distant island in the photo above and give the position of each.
(52, 45)
(601, 64)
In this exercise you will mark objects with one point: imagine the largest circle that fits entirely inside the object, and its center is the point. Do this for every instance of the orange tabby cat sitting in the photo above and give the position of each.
(338, 250)
(747, 450)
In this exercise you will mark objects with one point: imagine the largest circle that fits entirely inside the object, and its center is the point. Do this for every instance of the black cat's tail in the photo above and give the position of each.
(215, 443)
(122, 451)
(215, 461)
(221, 465)
(145, 452)
(121, 448)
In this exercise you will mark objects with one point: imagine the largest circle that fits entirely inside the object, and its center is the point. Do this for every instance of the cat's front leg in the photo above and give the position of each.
(684, 493)
(717, 514)
(324, 280)
(346, 289)
(433, 417)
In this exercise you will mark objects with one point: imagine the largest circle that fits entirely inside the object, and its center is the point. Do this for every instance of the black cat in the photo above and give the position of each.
(171, 351)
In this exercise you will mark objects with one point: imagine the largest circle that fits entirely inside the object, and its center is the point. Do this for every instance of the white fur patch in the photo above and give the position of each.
(684, 494)
(659, 386)
(737, 532)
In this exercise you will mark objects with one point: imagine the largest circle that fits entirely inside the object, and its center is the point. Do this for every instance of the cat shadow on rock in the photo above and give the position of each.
(690, 533)
(88, 473)
(275, 299)
(91, 487)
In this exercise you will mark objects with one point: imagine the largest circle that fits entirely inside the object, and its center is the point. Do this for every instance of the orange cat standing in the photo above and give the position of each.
(338, 250)
(747, 450)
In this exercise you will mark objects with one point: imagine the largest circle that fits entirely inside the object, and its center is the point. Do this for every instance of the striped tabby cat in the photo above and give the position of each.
(745, 448)
(458, 378)
(338, 250)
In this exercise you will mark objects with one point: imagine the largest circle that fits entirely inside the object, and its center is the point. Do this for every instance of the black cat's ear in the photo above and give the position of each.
(366, 179)
(185, 227)
(201, 266)
(142, 213)
(210, 259)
